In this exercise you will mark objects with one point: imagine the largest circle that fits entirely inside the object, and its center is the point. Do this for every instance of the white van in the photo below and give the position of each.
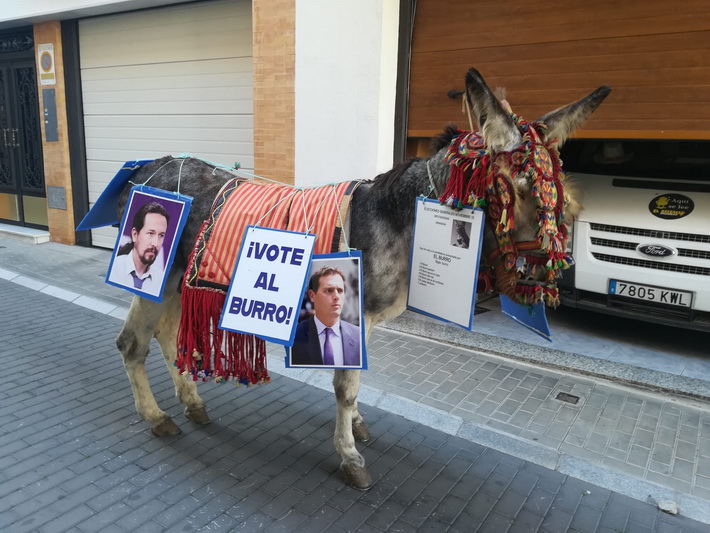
(642, 243)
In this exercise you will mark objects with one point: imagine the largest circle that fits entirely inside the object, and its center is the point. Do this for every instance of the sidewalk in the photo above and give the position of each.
(642, 444)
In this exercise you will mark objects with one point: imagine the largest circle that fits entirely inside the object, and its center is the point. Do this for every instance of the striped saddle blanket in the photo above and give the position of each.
(204, 350)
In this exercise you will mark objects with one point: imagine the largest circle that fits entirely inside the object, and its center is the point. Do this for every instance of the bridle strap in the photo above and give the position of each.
(432, 187)
(529, 245)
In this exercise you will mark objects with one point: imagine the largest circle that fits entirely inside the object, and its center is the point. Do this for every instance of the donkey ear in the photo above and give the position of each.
(496, 124)
(562, 122)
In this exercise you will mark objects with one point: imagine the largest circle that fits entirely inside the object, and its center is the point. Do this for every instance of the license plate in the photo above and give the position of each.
(650, 294)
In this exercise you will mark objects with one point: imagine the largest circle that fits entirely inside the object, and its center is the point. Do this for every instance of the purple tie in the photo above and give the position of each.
(328, 349)
(137, 282)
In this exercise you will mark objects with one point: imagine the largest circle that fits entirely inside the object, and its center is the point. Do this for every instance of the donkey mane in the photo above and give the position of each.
(444, 138)
(385, 181)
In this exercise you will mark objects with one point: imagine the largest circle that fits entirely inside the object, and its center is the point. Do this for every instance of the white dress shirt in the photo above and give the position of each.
(124, 268)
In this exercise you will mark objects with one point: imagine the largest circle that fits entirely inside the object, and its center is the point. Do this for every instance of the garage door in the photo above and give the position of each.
(166, 81)
(654, 56)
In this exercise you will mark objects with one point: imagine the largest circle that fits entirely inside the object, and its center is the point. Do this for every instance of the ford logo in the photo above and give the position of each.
(656, 250)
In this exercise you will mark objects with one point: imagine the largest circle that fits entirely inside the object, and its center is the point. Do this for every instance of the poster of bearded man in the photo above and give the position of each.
(145, 246)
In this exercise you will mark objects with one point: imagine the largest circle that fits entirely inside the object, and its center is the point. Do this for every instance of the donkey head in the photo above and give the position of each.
(512, 169)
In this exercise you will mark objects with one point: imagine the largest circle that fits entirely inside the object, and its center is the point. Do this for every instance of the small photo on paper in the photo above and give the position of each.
(460, 234)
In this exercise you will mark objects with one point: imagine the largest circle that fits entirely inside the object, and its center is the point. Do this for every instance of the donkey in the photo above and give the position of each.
(382, 218)
(462, 238)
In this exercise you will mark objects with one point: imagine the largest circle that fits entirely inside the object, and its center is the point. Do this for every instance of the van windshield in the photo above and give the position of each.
(663, 159)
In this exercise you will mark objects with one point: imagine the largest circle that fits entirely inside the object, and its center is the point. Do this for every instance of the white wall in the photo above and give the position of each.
(20, 12)
(346, 70)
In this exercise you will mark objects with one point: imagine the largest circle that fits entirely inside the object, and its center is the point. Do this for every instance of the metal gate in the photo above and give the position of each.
(22, 192)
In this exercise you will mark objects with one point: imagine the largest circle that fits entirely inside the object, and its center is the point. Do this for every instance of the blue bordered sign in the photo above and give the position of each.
(267, 283)
(444, 260)
(104, 211)
(147, 241)
(329, 272)
(532, 317)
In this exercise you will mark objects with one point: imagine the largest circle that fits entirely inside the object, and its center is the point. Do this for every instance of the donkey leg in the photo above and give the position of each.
(134, 344)
(185, 389)
(359, 428)
(360, 431)
(346, 384)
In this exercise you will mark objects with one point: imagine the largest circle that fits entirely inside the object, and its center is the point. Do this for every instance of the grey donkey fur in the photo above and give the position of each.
(382, 217)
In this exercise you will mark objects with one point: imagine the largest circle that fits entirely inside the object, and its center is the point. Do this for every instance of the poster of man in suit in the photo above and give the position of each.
(330, 329)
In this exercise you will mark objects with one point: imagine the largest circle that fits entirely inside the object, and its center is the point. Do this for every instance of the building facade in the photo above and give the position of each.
(298, 91)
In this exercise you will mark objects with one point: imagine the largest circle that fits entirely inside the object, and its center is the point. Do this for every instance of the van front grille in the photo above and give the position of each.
(608, 243)
(623, 245)
(670, 267)
(653, 234)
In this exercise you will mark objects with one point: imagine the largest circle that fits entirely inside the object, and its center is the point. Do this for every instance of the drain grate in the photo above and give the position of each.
(569, 398)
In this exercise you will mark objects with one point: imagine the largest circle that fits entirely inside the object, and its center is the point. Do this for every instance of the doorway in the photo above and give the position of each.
(23, 198)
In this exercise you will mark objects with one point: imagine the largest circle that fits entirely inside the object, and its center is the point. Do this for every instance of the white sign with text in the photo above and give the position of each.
(264, 296)
(444, 261)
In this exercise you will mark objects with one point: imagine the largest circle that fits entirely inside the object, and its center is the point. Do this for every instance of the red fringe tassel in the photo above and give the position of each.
(205, 351)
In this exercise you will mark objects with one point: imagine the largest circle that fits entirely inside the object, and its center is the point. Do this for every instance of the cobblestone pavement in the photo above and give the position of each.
(645, 444)
(76, 457)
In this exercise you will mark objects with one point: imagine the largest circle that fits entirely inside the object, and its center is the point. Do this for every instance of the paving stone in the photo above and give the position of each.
(419, 510)
(510, 504)
(345, 497)
(494, 522)
(385, 515)
(557, 520)
(549, 481)
(586, 519)
(320, 520)
(662, 453)
(354, 517)
(106, 519)
(523, 483)
(665, 435)
(288, 523)
(686, 451)
(703, 465)
(495, 485)
(135, 519)
(525, 522)
(659, 468)
(65, 521)
(87, 463)
(682, 470)
(557, 431)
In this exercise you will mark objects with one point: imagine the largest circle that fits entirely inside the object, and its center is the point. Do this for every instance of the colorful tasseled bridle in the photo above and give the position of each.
(482, 178)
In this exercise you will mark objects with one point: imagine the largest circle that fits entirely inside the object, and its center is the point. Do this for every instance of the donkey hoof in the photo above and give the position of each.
(361, 433)
(357, 477)
(166, 428)
(198, 416)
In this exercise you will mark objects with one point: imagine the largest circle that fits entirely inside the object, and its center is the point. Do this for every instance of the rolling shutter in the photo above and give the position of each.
(166, 81)
(654, 54)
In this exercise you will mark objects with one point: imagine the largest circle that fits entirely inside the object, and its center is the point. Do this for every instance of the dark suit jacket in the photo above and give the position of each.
(306, 347)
